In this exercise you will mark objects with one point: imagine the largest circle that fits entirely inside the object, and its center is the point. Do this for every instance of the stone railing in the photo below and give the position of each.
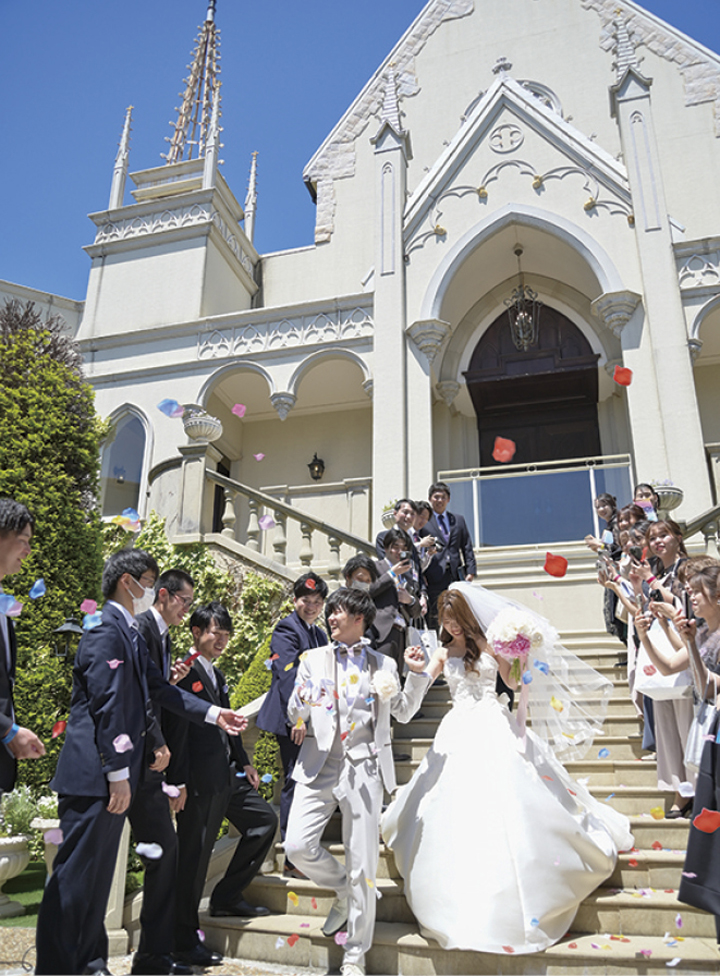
(708, 524)
(258, 502)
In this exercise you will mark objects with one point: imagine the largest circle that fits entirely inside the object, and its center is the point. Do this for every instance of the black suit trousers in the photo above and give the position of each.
(71, 936)
(198, 825)
(288, 754)
(150, 819)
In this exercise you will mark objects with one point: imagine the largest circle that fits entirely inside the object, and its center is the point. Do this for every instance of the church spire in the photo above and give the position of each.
(190, 134)
(625, 56)
(213, 143)
(117, 188)
(391, 107)
(251, 200)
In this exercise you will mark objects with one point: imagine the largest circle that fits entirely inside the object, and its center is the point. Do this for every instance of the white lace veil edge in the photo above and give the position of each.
(568, 699)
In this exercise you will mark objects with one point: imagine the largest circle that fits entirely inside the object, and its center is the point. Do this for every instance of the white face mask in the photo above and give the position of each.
(143, 603)
(359, 585)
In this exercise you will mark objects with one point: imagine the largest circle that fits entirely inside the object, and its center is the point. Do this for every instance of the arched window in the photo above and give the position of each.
(122, 465)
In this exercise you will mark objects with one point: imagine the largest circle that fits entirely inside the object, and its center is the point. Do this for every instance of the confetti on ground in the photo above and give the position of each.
(609, 797)
(673, 962)
(171, 408)
(267, 778)
(504, 450)
(88, 606)
(657, 846)
(678, 921)
(538, 596)
(58, 729)
(622, 376)
(603, 754)
(38, 589)
(557, 704)
(279, 943)
(572, 945)
(170, 790)
(708, 821)
(293, 898)
(115, 663)
(266, 522)
(646, 953)
(258, 457)
(313, 903)
(153, 852)
(239, 410)
(555, 565)
(122, 743)
(341, 938)
(92, 620)
(304, 925)
(658, 813)
(632, 862)
(54, 836)
(292, 939)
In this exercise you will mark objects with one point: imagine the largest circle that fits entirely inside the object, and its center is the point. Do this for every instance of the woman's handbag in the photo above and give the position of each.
(648, 679)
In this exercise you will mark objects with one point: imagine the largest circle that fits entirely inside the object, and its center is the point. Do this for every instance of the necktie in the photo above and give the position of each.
(443, 526)
(166, 655)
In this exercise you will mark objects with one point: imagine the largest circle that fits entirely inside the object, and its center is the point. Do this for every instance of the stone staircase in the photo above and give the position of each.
(632, 924)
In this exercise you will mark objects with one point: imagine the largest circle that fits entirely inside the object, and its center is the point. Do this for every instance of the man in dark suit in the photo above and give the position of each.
(16, 528)
(149, 811)
(456, 558)
(101, 763)
(216, 780)
(405, 511)
(292, 636)
(396, 597)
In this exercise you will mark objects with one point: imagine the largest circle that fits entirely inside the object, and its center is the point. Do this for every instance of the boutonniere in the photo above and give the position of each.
(385, 685)
(197, 686)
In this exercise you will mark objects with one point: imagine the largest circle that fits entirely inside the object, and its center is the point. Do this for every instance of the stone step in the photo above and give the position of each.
(630, 799)
(641, 911)
(400, 948)
(648, 869)
(670, 834)
(611, 772)
(616, 724)
(386, 862)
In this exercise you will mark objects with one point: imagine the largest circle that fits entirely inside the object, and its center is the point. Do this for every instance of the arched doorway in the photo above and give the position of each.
(544, 399)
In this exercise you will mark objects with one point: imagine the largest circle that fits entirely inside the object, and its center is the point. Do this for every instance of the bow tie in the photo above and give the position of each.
(351, 649)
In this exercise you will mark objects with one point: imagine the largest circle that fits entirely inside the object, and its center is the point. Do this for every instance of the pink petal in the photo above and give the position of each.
(15, 610)
(115, 664)
(170, 790)
(201, 935)
(258, 457)
(54, 836)
(266, 522)
(123, 743)
(88, 606)
(341, 938)
(239, 409)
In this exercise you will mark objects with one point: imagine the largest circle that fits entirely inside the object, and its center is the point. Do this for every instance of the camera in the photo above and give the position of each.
(404, 556)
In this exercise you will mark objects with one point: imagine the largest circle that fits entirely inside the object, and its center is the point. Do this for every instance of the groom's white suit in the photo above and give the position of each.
(344, 761)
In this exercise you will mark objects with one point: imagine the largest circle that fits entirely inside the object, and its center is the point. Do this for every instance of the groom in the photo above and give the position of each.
(345, 692)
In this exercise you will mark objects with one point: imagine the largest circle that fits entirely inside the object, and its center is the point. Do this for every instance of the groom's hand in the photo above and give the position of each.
(415, 659)
(297, 733)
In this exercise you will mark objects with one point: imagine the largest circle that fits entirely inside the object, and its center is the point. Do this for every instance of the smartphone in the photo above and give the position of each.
(404, 556)
(189, 660)
(687, 606)
(636, 553)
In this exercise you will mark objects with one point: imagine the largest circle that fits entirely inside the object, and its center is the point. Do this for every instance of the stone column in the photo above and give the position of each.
(426, 337)
(196, 492)
(667, 433)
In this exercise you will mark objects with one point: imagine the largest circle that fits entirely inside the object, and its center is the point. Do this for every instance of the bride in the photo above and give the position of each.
(497, 844)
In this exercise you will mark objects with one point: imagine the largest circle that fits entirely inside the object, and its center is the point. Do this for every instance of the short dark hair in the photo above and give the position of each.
(438, 486)
(360, 561)
(424, 507)
(310, 583)
(397, 535)
(203, 617)
(405, 501)
(133, 561)
(14, 517)
(353, 602)
(172, 580)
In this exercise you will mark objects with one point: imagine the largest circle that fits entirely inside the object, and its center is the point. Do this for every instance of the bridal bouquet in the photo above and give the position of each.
(513, 634)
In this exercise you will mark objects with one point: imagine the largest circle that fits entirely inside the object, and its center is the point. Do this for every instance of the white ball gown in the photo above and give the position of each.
(497, 844)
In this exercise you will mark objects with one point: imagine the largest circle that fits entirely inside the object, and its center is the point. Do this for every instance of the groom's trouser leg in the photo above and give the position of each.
(360, 794)
(311, 809)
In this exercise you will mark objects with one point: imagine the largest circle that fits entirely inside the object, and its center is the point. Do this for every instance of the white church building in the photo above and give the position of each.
(510, 209)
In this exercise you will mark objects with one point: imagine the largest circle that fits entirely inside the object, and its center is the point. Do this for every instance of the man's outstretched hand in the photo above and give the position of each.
(231, 722)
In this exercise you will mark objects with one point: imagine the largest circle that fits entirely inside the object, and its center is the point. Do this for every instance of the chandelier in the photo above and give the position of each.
(523, 311)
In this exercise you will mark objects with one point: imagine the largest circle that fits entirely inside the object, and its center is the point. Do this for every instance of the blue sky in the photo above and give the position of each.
(290, 69)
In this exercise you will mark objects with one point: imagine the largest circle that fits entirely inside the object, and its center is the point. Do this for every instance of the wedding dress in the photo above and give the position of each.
(497, 844)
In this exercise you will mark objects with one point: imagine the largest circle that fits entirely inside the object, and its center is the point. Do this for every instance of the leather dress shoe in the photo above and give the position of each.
(199, 955)
(146, 964)
(290, 871)
(242, 909)
(337, 917)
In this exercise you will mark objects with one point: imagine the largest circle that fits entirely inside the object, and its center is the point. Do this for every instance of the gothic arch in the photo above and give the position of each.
(208, 387)
(702, 314)
(125, 460)
(330, 352)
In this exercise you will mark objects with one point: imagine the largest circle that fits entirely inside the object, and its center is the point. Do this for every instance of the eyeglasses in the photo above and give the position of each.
(186, 601)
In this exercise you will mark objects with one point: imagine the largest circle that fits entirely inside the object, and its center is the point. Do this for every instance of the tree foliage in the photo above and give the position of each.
(49, 449)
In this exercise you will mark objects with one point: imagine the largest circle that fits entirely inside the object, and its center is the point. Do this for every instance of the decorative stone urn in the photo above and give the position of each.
(199, 425)
(14, 858)
(388, 518)
(669, 497)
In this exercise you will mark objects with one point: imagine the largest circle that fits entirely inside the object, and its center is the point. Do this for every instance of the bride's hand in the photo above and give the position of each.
(415, 659)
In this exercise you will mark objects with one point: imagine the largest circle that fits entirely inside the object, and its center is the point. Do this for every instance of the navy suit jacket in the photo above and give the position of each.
(8, 763)
(290, 639)
(147, 625)
(414, 556)
(113, 685)
(457, 558)
(203, 759)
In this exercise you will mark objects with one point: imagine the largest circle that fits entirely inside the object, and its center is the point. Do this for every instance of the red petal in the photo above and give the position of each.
(508, 949)
(197, 686)
(632, 862)
(555, 565)
(572, 945)
(292, 939)
(649, 669)
(58, 729)
(622, 376)
(504, 449)
(657, 846)
(708, 821)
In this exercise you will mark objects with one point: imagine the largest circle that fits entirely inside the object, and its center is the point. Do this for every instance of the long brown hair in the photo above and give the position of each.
(666, 525)
(455, 604)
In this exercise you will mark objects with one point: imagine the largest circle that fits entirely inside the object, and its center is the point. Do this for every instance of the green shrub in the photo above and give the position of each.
(49, 450)
(19, 809)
